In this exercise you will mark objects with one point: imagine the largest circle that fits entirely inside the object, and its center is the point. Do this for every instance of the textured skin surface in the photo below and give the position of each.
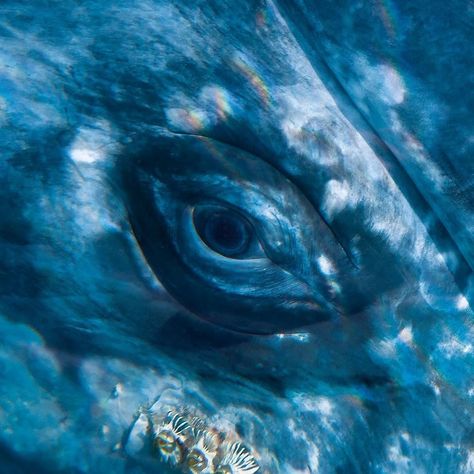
(341, 130)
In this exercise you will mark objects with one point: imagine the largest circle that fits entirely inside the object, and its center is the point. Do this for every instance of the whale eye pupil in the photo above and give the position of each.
(225, 232)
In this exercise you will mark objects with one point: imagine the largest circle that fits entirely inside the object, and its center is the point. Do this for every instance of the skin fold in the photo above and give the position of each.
(339, 340)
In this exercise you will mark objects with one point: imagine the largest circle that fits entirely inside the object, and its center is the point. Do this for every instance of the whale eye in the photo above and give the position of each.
(224, 231)
(228, 236)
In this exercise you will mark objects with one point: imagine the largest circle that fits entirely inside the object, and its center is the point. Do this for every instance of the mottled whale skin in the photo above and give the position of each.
(338, 135)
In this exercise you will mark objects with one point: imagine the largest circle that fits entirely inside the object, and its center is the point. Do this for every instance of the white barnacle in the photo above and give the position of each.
(172, 437)
(237, 459)
(198, 424)
(201, 456)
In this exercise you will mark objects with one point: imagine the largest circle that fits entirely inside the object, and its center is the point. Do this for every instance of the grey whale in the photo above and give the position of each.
(329, 143)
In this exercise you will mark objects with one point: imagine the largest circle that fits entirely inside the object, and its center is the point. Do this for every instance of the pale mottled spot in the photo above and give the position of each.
(324, 406)
(218, 101)
(462, 303)
(138, 435)
(84, 155)
(396, 456)
(382, 79)
(385, 348)
(452, 347)
(93, 144)
(419, 155)
(336, 197)
(3, 110)
(436, 389)
(310, 446)
(325, 265)
(190, 120)
(469, 465)
(406, 335)
(299, 337)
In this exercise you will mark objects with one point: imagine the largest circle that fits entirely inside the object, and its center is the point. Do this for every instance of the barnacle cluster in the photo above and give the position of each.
(188, 443)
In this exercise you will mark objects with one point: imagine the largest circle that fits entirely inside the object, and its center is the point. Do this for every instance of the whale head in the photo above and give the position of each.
(236, 237)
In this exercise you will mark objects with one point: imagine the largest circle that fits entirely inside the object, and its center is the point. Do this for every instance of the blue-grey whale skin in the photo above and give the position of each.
(341, 133)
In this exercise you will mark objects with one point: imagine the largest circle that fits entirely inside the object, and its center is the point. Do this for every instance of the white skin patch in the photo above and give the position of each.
(337, 197)
(91, 214)
(406, 335)
(306, 121)
(381, 79)
(436, 389)
(92, 144)
(455, 348)
(395, 455)
(462, 303)
(469, 466)
(310, 447)
(214, 104)
(84, 155)
(387, 348)
(300, 337)
(418, 153)
(137, 437)
(190, 119)
(3, 110)
(322, 405)
(326, 265)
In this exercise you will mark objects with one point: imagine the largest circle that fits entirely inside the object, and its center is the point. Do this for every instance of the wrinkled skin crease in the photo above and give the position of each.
(341, 343)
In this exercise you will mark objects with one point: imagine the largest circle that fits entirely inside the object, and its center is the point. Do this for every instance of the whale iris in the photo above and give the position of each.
(223, 231)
